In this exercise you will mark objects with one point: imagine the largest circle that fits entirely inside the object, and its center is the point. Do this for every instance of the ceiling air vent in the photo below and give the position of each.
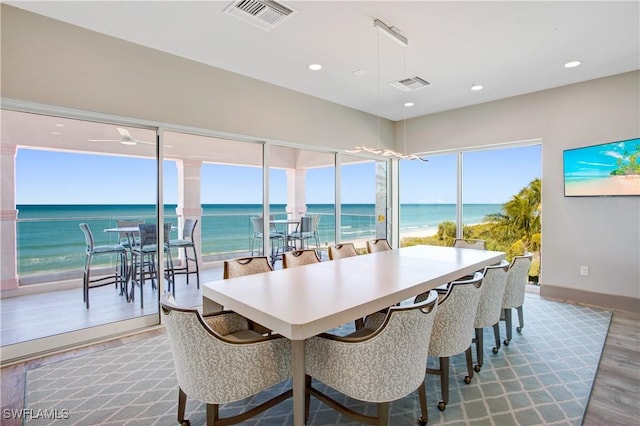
(264, 14)
(410, 84)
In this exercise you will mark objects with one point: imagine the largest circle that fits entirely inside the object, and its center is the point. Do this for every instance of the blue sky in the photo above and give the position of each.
(51, 177)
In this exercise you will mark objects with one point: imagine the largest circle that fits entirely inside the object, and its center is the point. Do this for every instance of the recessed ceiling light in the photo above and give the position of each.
(59, 125)
(476, 87)
(315, 67)
(55, 133)
(409, 104)
(572, 64)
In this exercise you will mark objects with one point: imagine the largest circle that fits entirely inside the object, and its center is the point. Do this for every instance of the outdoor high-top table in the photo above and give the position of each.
(304, 301)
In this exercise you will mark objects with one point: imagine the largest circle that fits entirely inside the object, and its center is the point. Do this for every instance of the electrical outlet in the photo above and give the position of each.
(584, 271)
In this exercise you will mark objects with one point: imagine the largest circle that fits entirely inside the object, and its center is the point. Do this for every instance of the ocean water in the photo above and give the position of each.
(50, 239)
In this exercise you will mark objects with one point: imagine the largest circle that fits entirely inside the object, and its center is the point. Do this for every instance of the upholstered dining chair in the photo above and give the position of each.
(247, 266)
(381, 244)
(453, 329)
(517, 279)
(490, 308)
(294, 258)
(378, 364)
(119, 275)
(144, 255)
(340, 251)
(187, 242)
(218, 360)
(467, 243)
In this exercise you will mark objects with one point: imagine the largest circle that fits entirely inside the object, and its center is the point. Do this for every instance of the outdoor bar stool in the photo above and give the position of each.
(119, 276)
(187, 242)
(144, 264)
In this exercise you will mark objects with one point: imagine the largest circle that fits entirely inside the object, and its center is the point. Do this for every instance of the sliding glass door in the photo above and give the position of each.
(59, 173)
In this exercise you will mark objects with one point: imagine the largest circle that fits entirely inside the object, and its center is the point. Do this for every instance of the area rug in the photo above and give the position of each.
(543, 377)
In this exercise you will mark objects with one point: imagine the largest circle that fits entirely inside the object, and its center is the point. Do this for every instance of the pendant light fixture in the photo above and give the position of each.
(396, 36)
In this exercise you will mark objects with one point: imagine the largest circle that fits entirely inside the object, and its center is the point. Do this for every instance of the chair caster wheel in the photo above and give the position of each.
(467, 379)
(519, 329)
(185, 423)
(476, 368)
(442, 405)
(422, 421)
(494, 350)
(506, 342)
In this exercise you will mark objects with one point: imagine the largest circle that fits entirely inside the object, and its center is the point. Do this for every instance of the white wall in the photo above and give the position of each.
(602, 233)
(49, 62)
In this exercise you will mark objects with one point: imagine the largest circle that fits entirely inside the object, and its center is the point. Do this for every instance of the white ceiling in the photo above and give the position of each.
(510, 47)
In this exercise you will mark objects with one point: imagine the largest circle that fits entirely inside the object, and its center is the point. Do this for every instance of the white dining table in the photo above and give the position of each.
(304, 301)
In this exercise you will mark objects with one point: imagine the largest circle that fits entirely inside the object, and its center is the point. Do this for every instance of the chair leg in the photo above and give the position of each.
(186, 264)
(444, 383)
(520, 319)
(85, 280)
(507, 323)
(422, 396)
(479, 349)
(213, 414)
(496, 335)
(469, 357)
(383, 413)
(182, 403)
(195, 260)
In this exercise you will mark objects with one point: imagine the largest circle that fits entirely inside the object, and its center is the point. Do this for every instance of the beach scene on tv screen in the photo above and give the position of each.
(607, 169)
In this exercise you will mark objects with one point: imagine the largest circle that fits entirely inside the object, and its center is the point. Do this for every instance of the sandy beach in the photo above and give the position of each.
(613, 185)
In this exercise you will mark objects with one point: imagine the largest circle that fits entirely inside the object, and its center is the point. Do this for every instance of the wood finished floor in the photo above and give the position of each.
(615, 398)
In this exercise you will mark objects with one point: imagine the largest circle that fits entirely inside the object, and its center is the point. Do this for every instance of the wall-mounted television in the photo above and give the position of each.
(606, 169)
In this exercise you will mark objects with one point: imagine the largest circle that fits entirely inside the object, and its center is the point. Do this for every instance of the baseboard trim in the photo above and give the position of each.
(583, 297)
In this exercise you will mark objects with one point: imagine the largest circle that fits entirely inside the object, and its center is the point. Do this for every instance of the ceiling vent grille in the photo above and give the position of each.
(264, 14)
(410, 84)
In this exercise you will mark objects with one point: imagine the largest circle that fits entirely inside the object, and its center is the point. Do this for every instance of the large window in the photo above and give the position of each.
(59, 173)
(430, 191)
(427, 193)
(364, 201)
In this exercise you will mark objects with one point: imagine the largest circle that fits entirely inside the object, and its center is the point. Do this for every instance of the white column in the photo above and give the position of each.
(296, 193)
(8, 218)
(189, 203)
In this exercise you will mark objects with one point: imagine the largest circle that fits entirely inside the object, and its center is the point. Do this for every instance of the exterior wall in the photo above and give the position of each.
(602, 233)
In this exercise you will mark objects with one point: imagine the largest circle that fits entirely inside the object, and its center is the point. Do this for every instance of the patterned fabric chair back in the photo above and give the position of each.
(294, 258)
(384, 366)
(246, 266)
(472, 244)
(378, 245)
(241, 368)
(340, 251)
(517, 279)
(453, 327)
(490, 305)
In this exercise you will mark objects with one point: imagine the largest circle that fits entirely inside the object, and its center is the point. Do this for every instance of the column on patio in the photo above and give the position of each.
(381, 209)
(296, 193)
(189, 201)
(8, 218)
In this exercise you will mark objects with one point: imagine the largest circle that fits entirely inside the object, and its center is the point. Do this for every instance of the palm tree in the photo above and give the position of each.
(519, 221)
